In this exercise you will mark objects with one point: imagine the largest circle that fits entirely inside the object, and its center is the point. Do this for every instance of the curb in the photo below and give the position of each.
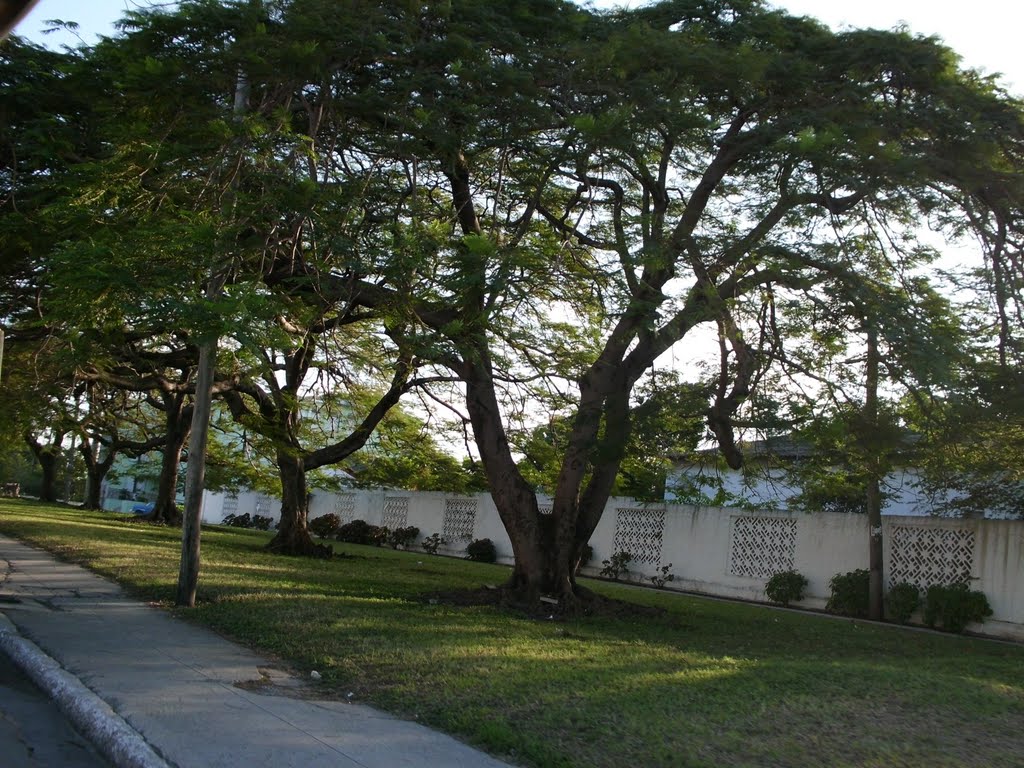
(90, 715)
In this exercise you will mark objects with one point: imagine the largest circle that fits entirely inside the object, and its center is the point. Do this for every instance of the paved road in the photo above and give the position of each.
(33, 732)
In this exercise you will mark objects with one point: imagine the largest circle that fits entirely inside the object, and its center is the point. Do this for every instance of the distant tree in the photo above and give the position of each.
(404, 453)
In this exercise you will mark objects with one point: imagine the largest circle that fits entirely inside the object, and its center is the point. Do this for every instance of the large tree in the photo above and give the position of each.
(693, 165)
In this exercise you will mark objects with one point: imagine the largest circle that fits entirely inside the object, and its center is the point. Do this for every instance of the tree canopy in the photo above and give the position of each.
(532, 203)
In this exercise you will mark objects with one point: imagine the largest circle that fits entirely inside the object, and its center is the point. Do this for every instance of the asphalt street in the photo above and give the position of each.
(33, 732)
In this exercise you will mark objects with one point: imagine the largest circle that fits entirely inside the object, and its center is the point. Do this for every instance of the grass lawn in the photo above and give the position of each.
(706, 684)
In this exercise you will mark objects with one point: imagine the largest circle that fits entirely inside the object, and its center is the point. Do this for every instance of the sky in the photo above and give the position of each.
(985, 32)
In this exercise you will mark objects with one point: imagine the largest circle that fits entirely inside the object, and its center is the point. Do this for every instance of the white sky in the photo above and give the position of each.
(985, 32)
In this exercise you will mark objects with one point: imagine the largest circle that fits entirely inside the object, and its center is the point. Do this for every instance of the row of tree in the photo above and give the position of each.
(516, 210)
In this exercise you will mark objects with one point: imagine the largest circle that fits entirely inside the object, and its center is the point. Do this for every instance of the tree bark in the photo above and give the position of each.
(47, 456)
(165, 508)
(176, 418)
(292, 537)
(546, 549)
(48, 463)
(96, 470)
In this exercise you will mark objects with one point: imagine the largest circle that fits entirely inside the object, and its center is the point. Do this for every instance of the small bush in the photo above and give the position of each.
(325, 526)
(432, 543)
(380, 535)
(482, 551)
(786, 587)
(403, 537)
(954, 607)
(902, 600)
(261, 522)
(238, 521)
(616, 566)
(358, 532)
(850, 593)
(663, 577)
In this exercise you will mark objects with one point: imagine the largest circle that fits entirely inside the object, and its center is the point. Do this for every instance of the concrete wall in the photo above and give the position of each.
(727, 552)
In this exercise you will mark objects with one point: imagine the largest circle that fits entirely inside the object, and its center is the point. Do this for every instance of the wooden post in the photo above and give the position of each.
(195, 473)
(873, 500)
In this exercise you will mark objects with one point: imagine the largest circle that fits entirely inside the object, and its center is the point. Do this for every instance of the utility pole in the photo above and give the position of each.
(195, 474)
(873, 499)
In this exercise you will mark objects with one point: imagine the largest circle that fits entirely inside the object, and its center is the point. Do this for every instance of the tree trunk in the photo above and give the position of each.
(96, 469)
(293, 537)
(47, 456)
(69, 470)
(546, 553)
(166, 510)
(48, 463)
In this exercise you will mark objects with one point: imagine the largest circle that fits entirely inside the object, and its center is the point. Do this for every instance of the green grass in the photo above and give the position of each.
(706, 684)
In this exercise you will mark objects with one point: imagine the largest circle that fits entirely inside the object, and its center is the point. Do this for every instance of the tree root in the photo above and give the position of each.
(299, 547)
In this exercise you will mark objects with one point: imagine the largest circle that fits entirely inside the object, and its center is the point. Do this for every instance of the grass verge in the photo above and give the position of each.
(705, 684)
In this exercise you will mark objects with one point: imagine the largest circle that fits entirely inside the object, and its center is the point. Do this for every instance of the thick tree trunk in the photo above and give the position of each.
(48, 463)
(546, 552)
(69, 470)
(47, 456)
(293, 537)
(96, 470)
(166, 510)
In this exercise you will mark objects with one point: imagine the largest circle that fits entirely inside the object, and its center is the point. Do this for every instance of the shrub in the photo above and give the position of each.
(955, 606)
(358, 532)
(432, 543)
(786, 587)
(403, 537)
(902, 600)
(482, 551)
(663, 577)
(325, 525)
(261, 522)
(238, 521)
(379, 535)
(616, 565)
(850, 593)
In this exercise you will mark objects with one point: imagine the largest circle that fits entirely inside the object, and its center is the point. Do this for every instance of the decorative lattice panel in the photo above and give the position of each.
(544, 509)
(396, 512)
(345, 507)
(762, 546)
(263, 506)
(459, 518)
(639, 532)
(230, 505)
(926, 556)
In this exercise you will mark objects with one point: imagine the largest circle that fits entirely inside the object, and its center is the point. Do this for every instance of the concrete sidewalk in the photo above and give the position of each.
(151, 690)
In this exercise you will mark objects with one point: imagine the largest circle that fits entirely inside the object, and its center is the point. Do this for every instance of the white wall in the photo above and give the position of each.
(728, 552)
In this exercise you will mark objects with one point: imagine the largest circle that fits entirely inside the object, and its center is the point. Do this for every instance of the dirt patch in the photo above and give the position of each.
(545, 608)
